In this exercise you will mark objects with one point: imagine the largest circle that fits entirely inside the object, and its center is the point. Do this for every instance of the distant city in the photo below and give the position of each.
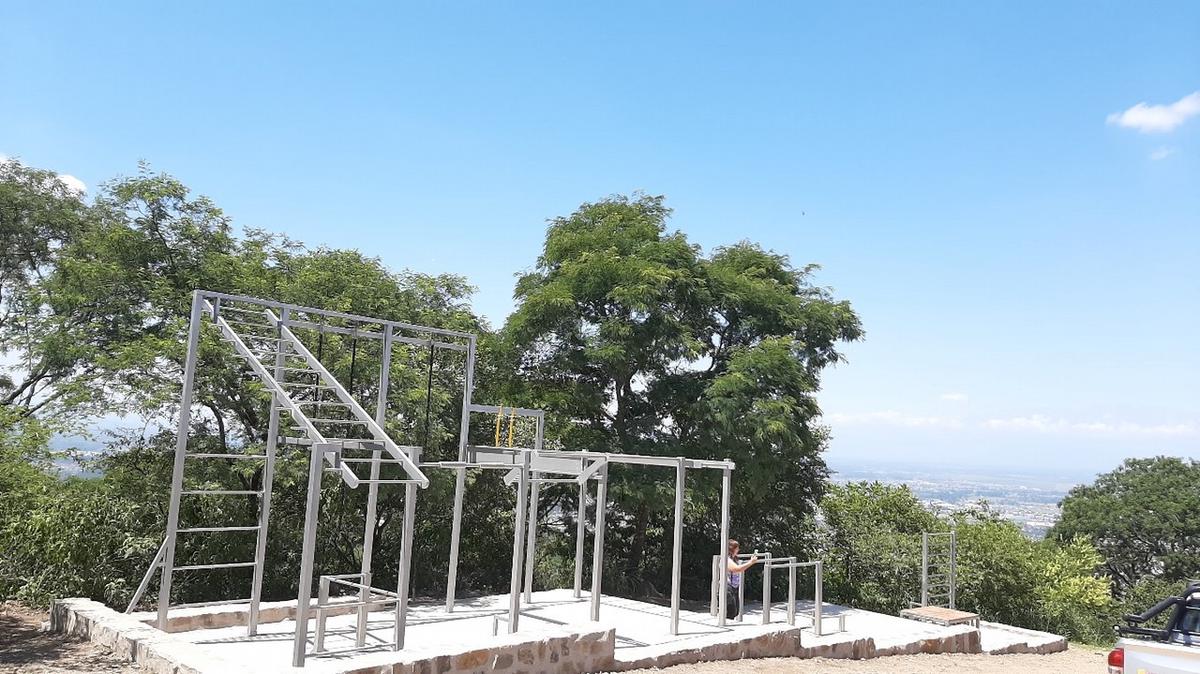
(1029, 500)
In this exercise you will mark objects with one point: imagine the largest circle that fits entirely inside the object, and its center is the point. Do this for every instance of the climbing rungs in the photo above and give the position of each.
(200, 530)
(342, 422)
(200, 567)
(331, 403)
(305, 370)
(389, 482)
(220, 492)
(300, 385)
(236, 457)
(254, 312)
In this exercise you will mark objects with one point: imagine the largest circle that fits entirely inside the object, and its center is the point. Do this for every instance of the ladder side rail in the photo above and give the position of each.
(376, 430)
(348, 475)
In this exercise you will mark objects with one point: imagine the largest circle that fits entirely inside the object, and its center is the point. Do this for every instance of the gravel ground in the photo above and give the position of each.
(25, 648)
(1076, 660)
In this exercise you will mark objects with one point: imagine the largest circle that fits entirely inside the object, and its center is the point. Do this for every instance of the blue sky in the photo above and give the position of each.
(1020, 239)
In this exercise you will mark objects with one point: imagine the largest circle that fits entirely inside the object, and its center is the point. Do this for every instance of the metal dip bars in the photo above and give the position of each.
(312, 409)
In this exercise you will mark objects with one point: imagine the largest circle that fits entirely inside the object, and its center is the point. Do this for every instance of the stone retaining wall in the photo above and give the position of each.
(159, 652)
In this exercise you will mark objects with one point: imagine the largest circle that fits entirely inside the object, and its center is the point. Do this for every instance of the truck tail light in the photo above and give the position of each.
(1116, 661)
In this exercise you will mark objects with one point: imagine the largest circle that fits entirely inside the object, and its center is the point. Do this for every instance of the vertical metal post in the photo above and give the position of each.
(598, 543)
(677, 545)
(580, 533)
(460, 482)
(460, 487)
(791, 607)
(766, 609)
(181, 442)
(818, 598)
(268, 480)
(514, 589)
(322, 602)
(308, 553)
(369, 521)
(404, 576)
(531, 540)
(464, 426)
(925, 569)
(723, 569)
(953, 564)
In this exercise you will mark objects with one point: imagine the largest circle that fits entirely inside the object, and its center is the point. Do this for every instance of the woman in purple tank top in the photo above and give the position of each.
(732, 605)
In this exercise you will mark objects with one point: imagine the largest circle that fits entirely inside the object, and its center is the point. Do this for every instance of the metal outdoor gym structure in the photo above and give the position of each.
(325, 419)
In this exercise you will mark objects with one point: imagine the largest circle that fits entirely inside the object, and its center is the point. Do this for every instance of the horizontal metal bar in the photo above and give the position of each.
(268, 326)
(296, 384)
(219, 602)
(222, 492)
(554, 480)
(236, 457)
(361, 481)
(332, 314)
(309, 325)
(360, 586)
(789, 565)
(426, 342)
(343, 422)
(198, 530)
(319, 403)
(231, 565)
(321, 608)
(519, 411)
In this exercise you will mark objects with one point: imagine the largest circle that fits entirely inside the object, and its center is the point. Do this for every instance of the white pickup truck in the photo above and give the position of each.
(1172, 649)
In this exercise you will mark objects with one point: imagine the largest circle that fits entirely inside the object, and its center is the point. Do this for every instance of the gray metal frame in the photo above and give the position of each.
(939, 587)
(528, 468)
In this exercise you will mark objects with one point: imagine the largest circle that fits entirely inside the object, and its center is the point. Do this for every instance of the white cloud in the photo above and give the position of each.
(893, 418)
(1162, 153)
(955, 397)
(69, 181)
(1158, 118)
(74, 184)
(1043, 424)
(1036, 423)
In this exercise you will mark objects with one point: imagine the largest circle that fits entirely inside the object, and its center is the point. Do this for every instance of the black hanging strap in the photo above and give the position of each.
(429, 395)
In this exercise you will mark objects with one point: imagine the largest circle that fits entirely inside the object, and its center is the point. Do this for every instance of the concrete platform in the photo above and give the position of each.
(555, 635)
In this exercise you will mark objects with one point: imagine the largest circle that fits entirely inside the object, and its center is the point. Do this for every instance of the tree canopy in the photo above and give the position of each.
(637, 342)
(1142, 517)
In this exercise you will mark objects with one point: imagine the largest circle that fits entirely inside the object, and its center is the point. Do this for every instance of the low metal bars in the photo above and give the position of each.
(769, 564)
(369, 598)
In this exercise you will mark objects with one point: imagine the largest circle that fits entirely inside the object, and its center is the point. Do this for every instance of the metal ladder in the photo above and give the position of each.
(321, 411)
(939, 568)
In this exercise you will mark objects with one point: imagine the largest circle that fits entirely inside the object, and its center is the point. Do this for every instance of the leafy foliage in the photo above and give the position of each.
(1141, 517)
(638, 343)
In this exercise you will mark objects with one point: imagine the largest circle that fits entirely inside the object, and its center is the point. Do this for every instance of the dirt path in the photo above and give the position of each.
(25, 648)
(1077, 660)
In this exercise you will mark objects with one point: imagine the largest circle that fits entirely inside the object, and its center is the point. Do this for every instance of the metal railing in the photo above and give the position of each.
(769, 564)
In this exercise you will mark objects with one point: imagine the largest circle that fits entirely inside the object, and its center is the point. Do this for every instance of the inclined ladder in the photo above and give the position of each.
(319, 412)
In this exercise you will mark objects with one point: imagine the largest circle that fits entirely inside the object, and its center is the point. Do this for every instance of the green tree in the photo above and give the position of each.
(638, 343)
(871, 536)
(1142, 519)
